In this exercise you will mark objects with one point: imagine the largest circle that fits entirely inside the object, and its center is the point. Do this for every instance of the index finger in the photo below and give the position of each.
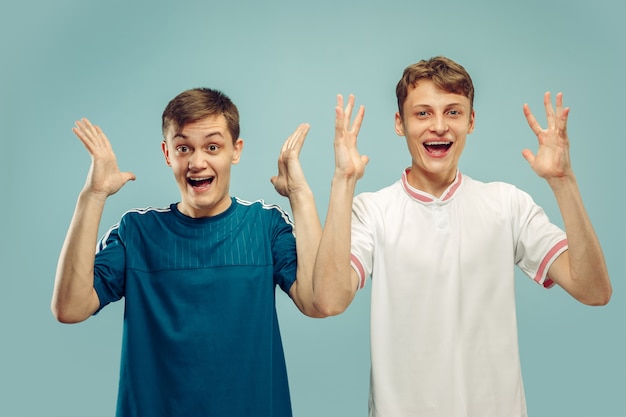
(343, 116)
(296, 139)
(90, 135)
(530, 118)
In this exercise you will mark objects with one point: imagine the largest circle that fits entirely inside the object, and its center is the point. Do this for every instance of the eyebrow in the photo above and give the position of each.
(207, 136)
(430, 105)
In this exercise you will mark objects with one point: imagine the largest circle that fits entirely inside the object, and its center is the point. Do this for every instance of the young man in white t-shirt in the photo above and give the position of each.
(441, 249)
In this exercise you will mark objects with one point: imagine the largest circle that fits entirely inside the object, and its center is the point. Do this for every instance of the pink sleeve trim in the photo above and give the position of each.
(358, 267)
(549, 258)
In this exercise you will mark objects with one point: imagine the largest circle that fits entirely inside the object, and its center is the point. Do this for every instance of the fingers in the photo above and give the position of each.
(79, 130)
(528, 156)
(358, 120)
(339, 118)
(292, 146)
(296, 140)
(556, 118)
(90, 135)
(530, 118)
(559, 103)
(547, 102)
(85, 130)
(562, 115)
(344, 115)
(347, 114)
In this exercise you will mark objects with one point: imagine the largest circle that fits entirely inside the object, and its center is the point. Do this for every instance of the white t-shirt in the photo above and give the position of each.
(443, 325)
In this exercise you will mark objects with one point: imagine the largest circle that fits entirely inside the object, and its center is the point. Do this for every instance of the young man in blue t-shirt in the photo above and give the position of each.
(201, 335)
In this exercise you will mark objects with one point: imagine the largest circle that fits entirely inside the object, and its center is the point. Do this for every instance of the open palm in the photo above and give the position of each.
(552, 159)
(290, 178)
(348, 162)
(104, 176)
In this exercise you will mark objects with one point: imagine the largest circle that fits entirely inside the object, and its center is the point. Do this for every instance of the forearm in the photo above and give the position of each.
(333, 285)
(74, 297)
(587, 267)
(308, 231)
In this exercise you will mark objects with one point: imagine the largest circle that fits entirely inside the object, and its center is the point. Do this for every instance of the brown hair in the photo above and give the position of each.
(196, 104)
(444, 72)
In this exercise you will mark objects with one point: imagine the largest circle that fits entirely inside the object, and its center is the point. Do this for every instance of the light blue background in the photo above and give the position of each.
(119, 63)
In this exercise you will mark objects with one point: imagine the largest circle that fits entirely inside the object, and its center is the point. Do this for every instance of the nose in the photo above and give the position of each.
(439, 124)
(197, 161)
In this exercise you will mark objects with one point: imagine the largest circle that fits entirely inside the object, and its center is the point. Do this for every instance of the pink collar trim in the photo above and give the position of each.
(425, 197)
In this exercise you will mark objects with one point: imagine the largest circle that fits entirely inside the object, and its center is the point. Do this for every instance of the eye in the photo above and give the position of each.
(182, 149)
(213, 148)
(455, 113)
(421, 114)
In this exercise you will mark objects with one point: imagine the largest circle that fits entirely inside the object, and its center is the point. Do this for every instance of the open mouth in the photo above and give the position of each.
(200, 182)
(438, 147)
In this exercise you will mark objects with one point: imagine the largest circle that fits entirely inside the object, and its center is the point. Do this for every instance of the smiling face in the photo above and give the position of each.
(435, 124)
(200, 155)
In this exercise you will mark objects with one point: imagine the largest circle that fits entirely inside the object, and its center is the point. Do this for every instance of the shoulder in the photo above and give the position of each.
(148, 211)
(264, 209)
(139, 214)
(143, 217)
(387, 196)
(131, 220)
(377, 204)
(491, 188)
(382, 195)
(499, 195)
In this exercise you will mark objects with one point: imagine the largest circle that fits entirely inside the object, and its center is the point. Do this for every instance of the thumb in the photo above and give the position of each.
(128, 176)
(273, 179)
(528, 156)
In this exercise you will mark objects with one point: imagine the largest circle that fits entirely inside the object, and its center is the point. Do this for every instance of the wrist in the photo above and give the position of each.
(343, 179)
(562, 183)
(88, 195)
(301, 195)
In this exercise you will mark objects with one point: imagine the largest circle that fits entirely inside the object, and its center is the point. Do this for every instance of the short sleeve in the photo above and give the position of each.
(362, 239)
(283, 250)
(538, 241)
(109, 267)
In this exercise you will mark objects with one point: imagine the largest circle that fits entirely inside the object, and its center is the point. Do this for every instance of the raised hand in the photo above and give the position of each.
(104, 178)
(348, 162)
(290, 178)
(552, 160)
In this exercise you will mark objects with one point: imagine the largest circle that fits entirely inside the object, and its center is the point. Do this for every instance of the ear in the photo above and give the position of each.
(471, 122)
(166, 152)
(399, 125)
(238, 147)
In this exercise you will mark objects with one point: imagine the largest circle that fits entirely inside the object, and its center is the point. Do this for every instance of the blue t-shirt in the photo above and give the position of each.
(201, 335)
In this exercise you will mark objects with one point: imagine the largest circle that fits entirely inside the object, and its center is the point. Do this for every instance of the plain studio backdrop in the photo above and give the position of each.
(283, 62)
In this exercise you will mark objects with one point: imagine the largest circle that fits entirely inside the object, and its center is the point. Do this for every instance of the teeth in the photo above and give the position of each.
(197, 181)
(437, 143)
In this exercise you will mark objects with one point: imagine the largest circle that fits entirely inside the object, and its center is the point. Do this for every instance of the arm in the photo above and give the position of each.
(74, 298)
(581, 270)
(334, 281)
(291, 183)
